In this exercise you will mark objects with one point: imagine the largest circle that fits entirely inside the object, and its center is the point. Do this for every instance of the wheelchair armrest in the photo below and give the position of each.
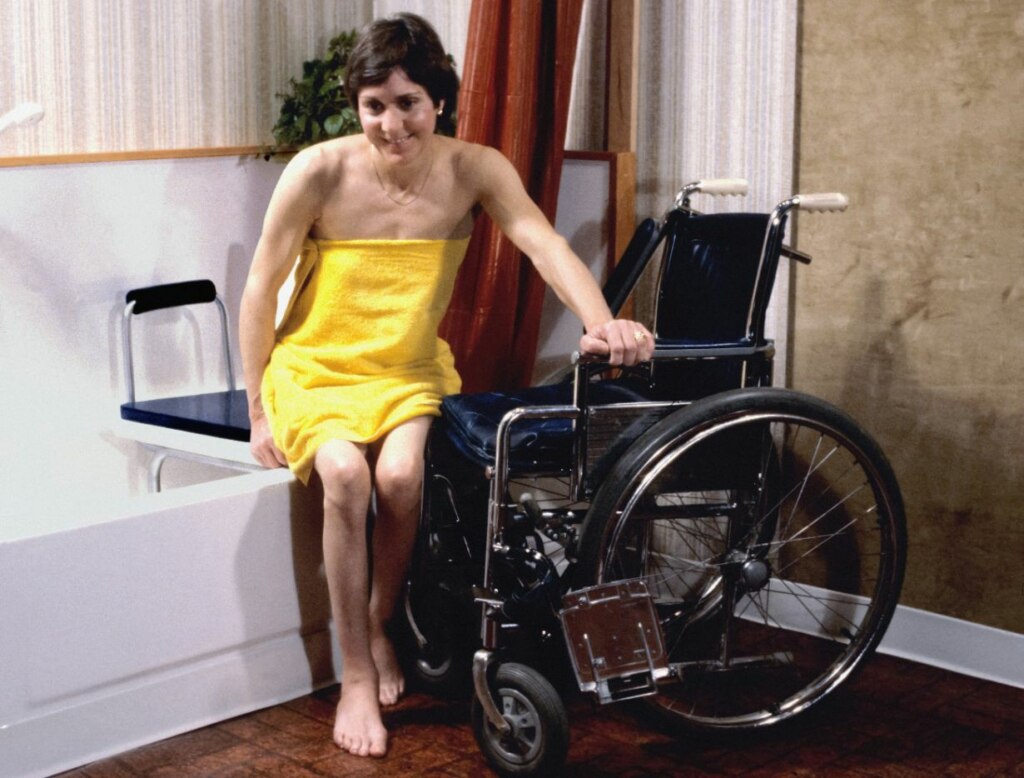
(669, 350)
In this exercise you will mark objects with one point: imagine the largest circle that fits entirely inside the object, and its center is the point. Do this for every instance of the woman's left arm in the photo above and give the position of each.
(517, 215)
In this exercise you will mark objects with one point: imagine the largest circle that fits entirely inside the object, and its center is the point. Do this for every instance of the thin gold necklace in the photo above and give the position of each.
(384, 189)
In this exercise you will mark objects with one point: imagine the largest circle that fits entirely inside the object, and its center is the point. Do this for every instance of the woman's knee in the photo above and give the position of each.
(399, 480)
(345, 474)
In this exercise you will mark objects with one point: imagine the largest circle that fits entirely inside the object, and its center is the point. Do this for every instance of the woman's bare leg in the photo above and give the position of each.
(345, 473)
(398, 477)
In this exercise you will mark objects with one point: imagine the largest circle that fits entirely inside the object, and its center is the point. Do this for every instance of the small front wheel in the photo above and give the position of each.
(539, 738)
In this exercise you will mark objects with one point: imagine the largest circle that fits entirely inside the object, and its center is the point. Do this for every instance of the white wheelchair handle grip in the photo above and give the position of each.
(724, 186)
(823, 201)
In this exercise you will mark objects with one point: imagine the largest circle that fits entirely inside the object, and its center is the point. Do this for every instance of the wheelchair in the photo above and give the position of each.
(679, 533)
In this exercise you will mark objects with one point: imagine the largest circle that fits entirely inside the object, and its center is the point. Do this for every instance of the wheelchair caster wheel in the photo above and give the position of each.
(436, 654)
(441, 671)
(539, 738)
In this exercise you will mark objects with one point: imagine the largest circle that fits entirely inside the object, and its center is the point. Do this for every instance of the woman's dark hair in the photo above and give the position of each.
(405, 41)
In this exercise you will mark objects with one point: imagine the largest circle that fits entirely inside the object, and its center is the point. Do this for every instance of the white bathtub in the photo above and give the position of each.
(127, 620)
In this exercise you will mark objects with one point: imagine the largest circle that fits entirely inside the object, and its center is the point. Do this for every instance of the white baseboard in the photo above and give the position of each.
(165, 704)
(919, 636)
(956, 645)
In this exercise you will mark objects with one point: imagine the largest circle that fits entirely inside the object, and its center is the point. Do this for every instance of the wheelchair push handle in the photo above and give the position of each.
(723, 186)
(711, 186)
(821, 201)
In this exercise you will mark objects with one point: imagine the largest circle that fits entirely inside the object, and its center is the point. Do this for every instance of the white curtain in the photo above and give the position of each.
(126, 75)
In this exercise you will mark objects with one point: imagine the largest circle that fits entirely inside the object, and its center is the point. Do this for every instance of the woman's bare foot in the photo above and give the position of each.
(358, 728)
(392, 682)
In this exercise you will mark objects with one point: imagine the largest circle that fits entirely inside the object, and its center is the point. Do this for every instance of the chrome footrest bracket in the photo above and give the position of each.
(615, 640)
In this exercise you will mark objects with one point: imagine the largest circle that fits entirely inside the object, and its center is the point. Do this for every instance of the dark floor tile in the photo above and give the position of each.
(301, 745)
(320, 705)
(168, 754)
(107, 768)
(464, 768)
(209, 763)
(998, 757)
(811, 758)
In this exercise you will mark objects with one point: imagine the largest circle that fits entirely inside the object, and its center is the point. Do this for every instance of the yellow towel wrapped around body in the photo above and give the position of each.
(358, 352)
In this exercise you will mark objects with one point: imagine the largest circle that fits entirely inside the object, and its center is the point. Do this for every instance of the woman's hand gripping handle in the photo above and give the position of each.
(622, 341)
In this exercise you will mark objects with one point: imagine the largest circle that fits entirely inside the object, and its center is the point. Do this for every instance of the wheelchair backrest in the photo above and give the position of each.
(716, 277)
(715, 284)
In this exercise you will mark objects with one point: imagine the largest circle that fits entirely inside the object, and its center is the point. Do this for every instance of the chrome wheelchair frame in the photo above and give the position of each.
(694, 538)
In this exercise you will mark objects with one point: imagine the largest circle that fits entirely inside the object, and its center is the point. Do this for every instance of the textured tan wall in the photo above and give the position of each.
(912, 315)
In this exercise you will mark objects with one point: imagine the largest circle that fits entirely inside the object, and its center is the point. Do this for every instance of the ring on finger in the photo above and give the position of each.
(639, 336)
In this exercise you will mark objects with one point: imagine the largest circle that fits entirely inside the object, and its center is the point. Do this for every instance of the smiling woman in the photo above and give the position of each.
(346, 385)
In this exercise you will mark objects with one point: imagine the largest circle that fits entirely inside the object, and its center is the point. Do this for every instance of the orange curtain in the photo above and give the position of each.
(517, 78)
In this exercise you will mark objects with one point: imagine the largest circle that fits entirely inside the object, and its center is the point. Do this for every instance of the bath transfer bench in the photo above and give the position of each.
(213, 427)
(679, 532)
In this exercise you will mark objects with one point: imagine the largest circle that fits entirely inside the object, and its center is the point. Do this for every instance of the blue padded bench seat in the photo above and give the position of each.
(218, 414)
(537, 445)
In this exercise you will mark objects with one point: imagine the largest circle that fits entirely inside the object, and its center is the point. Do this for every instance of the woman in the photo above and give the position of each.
(348, 384)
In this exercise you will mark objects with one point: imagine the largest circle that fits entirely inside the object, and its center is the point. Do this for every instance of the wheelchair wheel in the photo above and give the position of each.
(436, 654)
(769, 528)
(539, 740)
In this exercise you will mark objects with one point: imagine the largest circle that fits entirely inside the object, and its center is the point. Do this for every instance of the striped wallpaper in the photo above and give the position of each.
(717, 97)
(134, 75)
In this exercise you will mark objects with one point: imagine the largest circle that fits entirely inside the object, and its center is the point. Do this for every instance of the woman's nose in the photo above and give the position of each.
(391, 120)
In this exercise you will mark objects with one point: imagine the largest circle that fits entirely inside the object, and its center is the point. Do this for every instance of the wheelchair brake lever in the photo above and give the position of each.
(792, 253)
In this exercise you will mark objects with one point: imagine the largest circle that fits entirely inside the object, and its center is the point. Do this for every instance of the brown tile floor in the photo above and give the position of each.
(896, 719)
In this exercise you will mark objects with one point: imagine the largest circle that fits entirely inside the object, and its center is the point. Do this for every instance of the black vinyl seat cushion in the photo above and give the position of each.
(219, 414)
(471, 422)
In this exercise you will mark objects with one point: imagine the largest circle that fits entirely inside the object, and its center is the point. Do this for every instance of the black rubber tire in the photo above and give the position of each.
(539, 742)
(811, 574)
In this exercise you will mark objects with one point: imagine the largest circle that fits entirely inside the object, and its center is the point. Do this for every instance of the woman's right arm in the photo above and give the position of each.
(293, 208)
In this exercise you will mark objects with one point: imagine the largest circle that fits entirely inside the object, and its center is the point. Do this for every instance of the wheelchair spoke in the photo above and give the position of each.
(806, 598)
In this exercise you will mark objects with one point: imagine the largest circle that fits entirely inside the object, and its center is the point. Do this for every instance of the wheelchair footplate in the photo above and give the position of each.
(615, 640)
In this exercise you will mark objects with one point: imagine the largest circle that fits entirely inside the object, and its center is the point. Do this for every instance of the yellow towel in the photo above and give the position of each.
(359, 353)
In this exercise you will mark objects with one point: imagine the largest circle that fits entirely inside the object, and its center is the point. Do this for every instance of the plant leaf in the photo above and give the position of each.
(333, 125)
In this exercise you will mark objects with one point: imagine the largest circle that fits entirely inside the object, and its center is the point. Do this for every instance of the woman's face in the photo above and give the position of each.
(397, 116)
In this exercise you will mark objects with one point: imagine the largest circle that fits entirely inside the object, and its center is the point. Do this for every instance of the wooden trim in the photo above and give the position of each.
(622, 84)
(128, 156)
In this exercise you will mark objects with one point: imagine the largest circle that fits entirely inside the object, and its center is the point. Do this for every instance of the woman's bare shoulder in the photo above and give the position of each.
(477, 165)
(324, 162)
(469, 153)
